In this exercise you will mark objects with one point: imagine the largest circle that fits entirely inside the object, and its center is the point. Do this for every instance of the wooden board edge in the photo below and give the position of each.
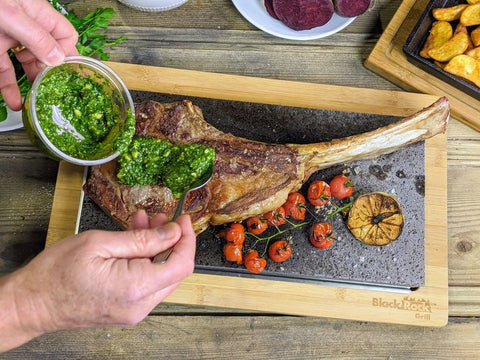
(391, 63)
(270, 91)
(303, 299)
(66, 202)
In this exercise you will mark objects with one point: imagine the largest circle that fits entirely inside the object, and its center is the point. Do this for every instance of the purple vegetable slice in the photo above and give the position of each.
(351, 8)
(269, 7)
(303, 14)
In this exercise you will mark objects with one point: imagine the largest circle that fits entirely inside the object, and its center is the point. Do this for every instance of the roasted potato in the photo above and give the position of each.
(475, 53)
(440, 33)
(475, 36)
(441, 65)
(456, 51)
(451, 13)
(463, 29)
(465, 67)
(471, 15)
(457, 45)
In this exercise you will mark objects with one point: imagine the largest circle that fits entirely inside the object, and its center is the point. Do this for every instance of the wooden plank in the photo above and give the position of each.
(464, 226)
(464, 300)
(27, 181)
(251, 54)
(464, 220)
(254, 337)
(388, 60)
(210, 35)
(428, 306)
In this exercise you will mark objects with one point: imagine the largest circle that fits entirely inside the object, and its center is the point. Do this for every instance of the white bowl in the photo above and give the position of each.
(153, 5)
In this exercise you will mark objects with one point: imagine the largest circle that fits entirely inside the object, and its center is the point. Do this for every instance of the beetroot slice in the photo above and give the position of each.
(303, 14)
(269, 7)
(351, 8)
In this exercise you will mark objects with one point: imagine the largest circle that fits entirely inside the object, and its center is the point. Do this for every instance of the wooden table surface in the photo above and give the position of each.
(210, 35)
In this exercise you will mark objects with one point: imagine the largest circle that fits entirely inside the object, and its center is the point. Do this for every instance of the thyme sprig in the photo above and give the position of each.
(278, 232)
(339, 209)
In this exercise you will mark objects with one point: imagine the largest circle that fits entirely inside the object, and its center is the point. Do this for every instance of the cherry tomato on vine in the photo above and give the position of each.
(234, 233)
(295, 206)
(321, 235)
(341, 187)
(276, 217)
(318, 193)
(254, 263)
(232, 252)
(256, 225)
(280, 251)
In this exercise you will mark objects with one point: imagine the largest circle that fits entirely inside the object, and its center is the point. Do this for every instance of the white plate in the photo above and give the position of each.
(256, 13)
(12, 122)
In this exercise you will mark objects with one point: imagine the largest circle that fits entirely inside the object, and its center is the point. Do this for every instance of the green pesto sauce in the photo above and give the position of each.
(149, 161)
(91, 113)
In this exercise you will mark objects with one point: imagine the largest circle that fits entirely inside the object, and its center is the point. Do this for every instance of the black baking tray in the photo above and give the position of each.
(416, 41)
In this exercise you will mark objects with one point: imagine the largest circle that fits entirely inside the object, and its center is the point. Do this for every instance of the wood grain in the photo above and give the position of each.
(221, 44)
(253, 337)
(210, 35)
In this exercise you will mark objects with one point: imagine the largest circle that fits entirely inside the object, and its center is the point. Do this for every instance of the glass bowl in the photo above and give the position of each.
(111, 85)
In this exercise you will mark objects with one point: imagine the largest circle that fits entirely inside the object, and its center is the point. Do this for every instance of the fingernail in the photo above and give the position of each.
(55, 57)
(166, 231)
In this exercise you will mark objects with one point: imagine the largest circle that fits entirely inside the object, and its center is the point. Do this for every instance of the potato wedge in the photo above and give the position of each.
(475, 53)
(440, 33)
(475, 36)
(471, 2)
(457, 45)
(460, 28)
(471, 15)
(451, 13)
(441, 65)
(465, 67)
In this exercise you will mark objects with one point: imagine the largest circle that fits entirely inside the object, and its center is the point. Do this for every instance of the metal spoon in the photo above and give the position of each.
(200, 182)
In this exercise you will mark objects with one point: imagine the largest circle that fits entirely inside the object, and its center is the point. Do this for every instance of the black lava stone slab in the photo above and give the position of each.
(400, 264)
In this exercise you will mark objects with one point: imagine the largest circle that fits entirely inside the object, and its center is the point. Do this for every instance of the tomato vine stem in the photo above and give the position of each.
(341, 208)
(267, 239)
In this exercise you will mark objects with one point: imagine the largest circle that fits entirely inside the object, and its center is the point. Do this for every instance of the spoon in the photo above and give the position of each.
(197, 184)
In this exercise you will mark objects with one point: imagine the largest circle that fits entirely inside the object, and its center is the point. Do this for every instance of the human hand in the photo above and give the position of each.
(102, 278)
(46, 35)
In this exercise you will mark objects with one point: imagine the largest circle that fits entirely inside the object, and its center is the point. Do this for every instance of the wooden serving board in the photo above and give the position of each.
(427, 306)
(388, 60)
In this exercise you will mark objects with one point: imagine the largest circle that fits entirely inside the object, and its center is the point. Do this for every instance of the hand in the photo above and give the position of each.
(105, 278)
(46, 34)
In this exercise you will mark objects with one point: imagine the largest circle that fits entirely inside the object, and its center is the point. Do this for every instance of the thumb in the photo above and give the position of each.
(137, 243)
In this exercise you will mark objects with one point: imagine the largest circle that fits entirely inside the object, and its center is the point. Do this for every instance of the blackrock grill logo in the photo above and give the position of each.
(408, 303)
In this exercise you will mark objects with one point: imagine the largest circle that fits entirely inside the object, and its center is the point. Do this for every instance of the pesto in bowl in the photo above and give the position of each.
(79, 111)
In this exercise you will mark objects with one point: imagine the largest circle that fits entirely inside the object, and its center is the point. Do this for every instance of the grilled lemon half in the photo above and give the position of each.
(376, 219)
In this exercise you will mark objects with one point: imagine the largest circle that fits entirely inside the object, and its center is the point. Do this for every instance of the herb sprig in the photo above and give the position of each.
(92, 41)
(278, 232)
